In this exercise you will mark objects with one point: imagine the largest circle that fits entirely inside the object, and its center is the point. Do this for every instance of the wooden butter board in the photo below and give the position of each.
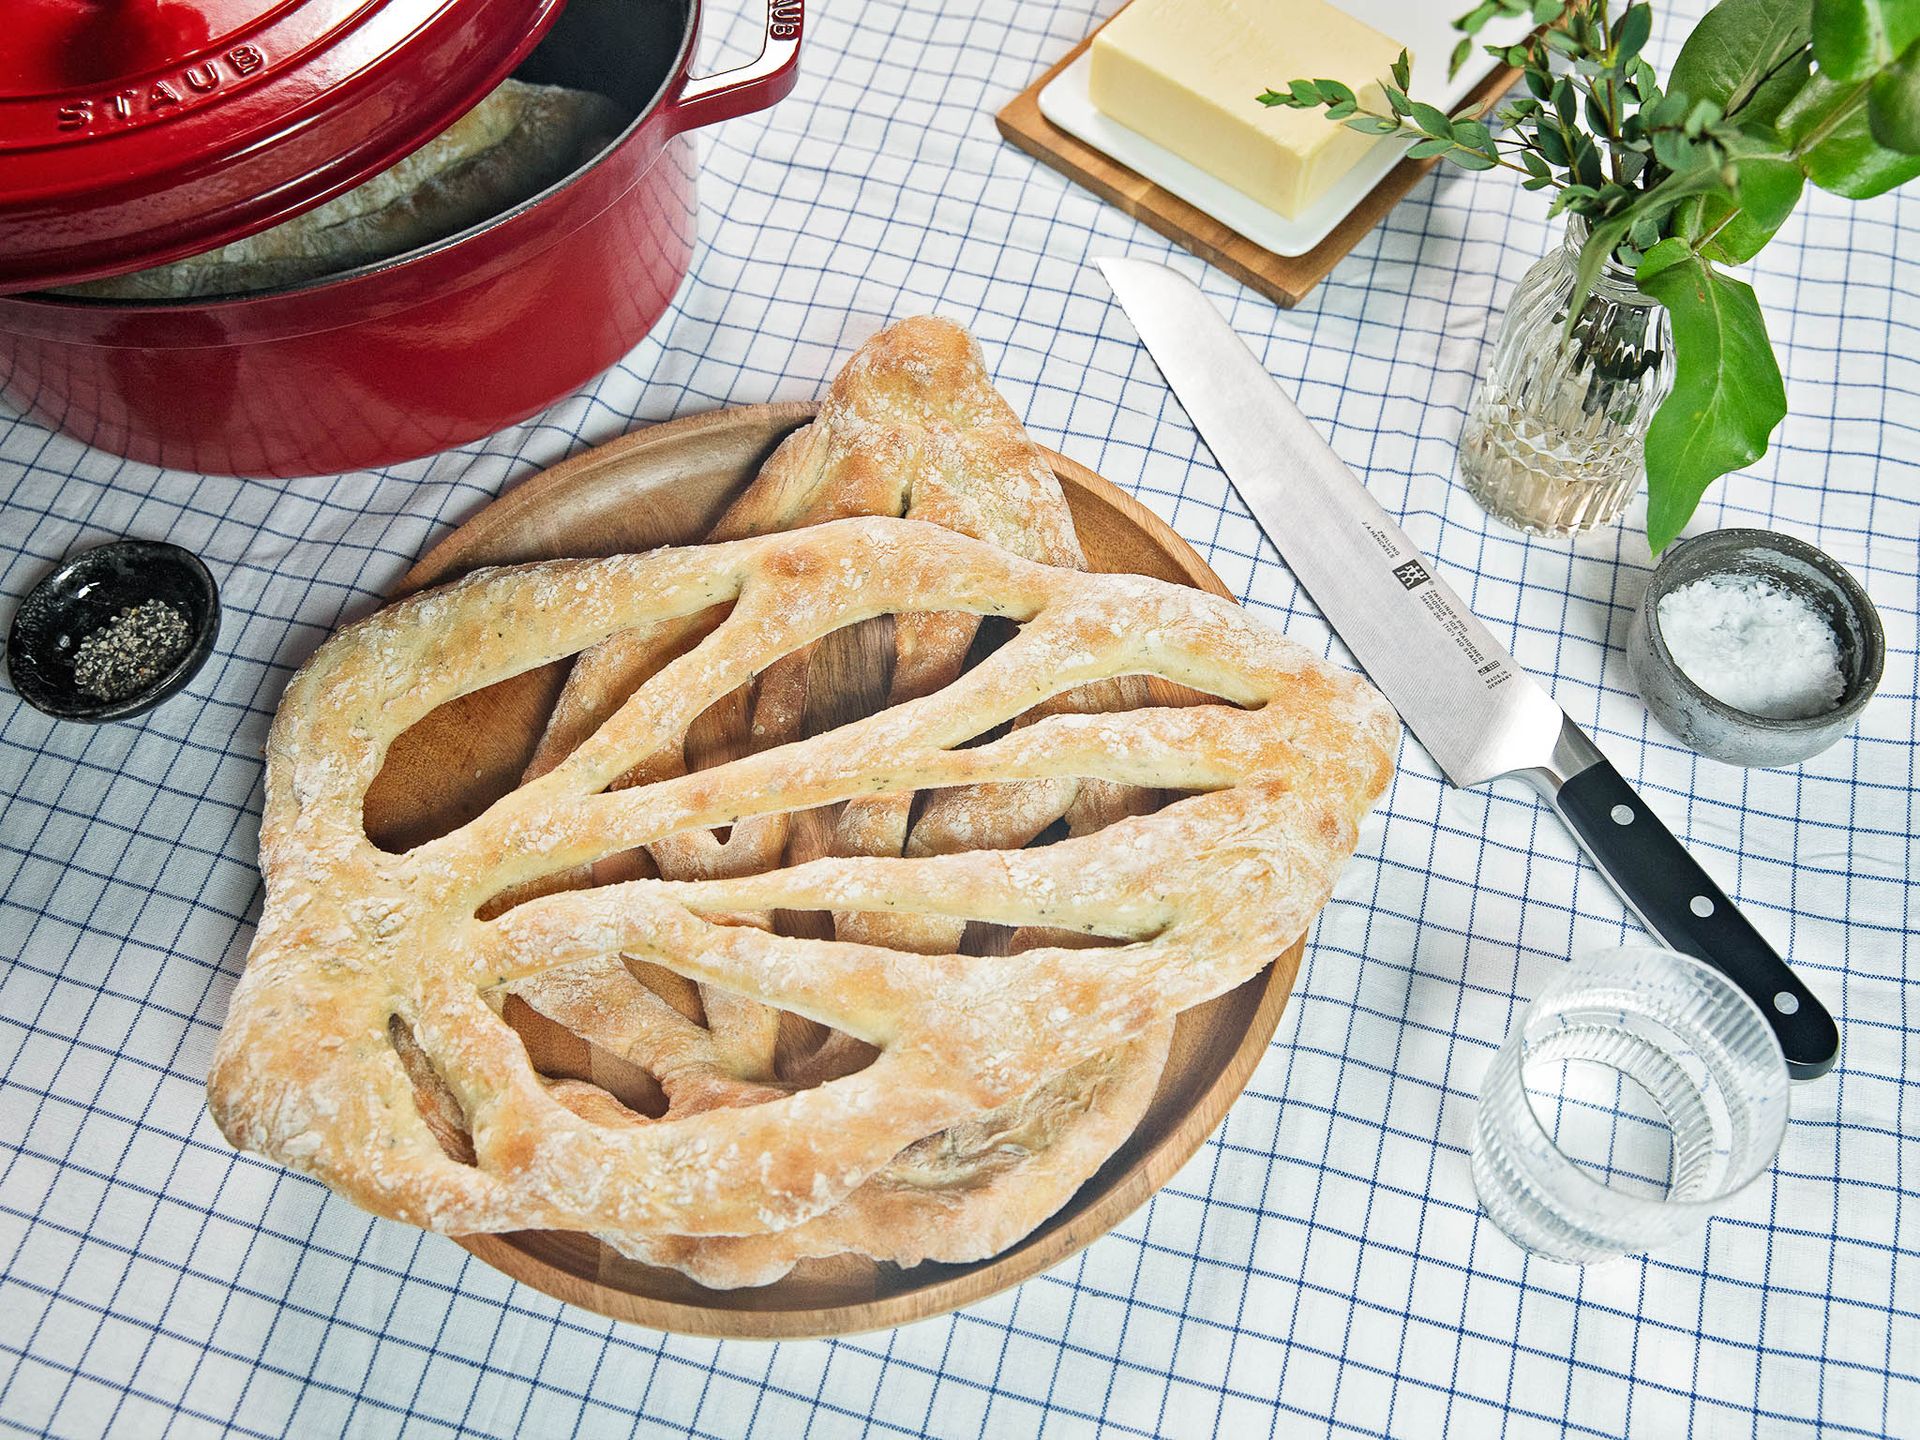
(1285, 279)
(666, 485)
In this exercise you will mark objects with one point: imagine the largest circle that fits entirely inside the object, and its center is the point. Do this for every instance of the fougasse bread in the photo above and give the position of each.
(912, 427)
(356, 942)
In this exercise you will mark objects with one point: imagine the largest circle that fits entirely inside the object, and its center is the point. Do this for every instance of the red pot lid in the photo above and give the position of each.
(133, 132)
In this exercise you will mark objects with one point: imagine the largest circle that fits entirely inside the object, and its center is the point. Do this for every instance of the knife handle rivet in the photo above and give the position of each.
(1701, 906)
(1786, 1002)
(1622, 814)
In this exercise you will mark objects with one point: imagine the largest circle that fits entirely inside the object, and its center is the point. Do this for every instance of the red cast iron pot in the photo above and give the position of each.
(442, 345)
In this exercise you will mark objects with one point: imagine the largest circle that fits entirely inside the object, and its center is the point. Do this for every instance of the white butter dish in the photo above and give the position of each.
(1427, 33)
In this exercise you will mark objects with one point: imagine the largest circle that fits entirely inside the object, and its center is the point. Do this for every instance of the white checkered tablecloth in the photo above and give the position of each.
(1320, 1267)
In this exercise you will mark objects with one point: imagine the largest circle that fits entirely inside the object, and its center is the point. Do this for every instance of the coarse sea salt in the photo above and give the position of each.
(1753, 645)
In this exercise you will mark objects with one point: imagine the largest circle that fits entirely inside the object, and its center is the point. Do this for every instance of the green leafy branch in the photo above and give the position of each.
(1461, 137)
(1676, 180)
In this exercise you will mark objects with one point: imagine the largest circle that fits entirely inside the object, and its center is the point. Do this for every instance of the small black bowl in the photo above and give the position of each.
(84, 593)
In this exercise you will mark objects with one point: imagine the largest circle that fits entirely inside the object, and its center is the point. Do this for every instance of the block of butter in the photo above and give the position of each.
(1185, 74)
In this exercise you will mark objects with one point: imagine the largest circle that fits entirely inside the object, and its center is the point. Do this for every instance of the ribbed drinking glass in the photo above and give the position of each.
(1640, 1090)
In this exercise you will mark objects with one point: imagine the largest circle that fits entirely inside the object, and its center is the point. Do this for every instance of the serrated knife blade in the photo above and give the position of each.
(1461, 694)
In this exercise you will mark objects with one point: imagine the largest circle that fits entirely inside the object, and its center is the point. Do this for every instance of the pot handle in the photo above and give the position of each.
(754, 86)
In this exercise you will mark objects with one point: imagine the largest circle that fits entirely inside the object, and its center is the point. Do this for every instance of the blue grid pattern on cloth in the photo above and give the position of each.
(1320, 1266)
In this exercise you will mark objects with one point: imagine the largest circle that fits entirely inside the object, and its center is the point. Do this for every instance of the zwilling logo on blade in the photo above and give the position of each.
(1412, 574)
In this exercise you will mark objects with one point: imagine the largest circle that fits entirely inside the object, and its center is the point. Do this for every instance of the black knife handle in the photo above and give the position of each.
(1679, 902)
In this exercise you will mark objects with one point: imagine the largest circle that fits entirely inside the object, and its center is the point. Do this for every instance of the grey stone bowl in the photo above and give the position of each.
(1716, 729)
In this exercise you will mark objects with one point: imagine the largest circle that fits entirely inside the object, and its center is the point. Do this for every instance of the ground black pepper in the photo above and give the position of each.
(130, 651)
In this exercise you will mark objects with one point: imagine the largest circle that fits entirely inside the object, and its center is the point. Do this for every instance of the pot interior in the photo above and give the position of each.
(624, 49)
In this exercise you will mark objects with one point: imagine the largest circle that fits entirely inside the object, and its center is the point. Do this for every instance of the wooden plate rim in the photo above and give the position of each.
(1148, 1171)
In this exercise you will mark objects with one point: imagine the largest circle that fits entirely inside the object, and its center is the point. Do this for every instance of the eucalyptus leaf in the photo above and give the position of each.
(1705, 113)
(1586, 163)
(1827, 126)
(1893, 103)
(1630, 33)
(1670, 109)
(1854, 38)
(1473, 133)
(1727, 393)
(1565, 101)
(1672, 149)
(1471, 22)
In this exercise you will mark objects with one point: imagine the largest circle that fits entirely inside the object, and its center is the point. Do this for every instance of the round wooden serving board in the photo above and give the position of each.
(666, 485)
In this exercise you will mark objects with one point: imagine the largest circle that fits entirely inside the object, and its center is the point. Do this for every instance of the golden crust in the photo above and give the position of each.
(962, 1194)
(917, 392)
(1200, 895)
(965, 1193)
(911, 426)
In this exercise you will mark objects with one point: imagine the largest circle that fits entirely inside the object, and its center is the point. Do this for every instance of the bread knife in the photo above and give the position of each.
(1477, 712)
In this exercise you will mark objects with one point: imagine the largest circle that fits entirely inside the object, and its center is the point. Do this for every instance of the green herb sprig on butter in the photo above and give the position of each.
(1678, 180)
